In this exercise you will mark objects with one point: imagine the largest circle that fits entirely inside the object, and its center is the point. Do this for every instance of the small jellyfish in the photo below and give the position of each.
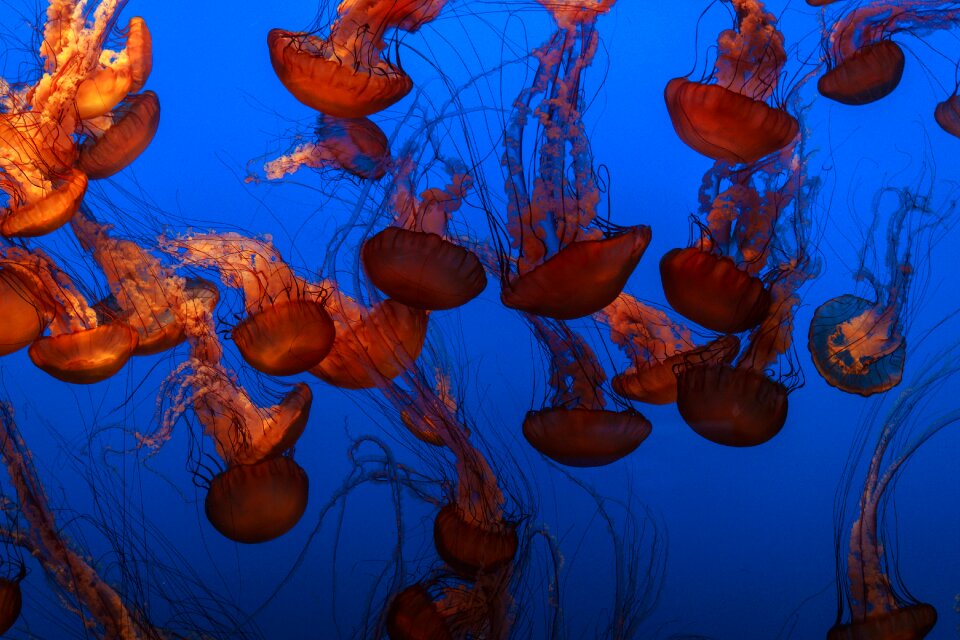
(877, 608)
(863, 63)
(656, 345)
(947, 115)
(287, 329)
(726, 117)
(569, 264)
(414, 261)
(355, 145)
(345, 75)
(859, 345)
(576, 428)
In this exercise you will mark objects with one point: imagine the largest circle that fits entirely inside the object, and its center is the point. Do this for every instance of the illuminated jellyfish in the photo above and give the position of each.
(145, 294)
(863, 63)
(355, 145)
(287, 329)
(130, 130)
(858, 345)
(82, 83)
(876, 609)
(79, 349)
(345, 75)
(740, 405)
(947, 115)
(26, 310)
(726, 116)
(413, 261)
(568, 265)
(262, 493)
(656, 345)
(575, 428)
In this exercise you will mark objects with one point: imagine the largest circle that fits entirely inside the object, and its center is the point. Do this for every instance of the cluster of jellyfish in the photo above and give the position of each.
(722, 350)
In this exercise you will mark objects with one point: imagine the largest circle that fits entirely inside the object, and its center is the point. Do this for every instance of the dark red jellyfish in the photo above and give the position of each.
(414, 261)
(470, 546)
(576, 428)
(656, 345)
(871, 603)
(11, 602)
(947, 115)
(344, 75)
(863, 63)
(413, 614)
(569, 265)
(287, 329)
(132, 126)
(859, 345)
(355, 145)
(726, 117)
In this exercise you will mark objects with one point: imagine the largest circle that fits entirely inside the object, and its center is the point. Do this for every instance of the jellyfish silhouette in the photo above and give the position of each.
(568, 265)
(870, 594)
(344, 75)
(947, 115)
(859, 345)
(413, 261)
(726, 116)
(863, 63)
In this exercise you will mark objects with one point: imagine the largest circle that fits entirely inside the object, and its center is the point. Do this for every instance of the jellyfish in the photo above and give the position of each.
(726, 117)
(345, 75)
(355, 145)
(873, 605)
(569, 264)
(413, 614)
(130, 129)
(576, 428)
(287, 329)
(26, 310)
(863, 63)
(413, 261)
(859, 345)
(947, 115)
(656, 345)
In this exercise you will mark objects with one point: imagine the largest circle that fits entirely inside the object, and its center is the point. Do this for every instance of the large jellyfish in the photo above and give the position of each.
(569, 264)
(863, 63)
(345, 75)
(876, 607)
(726, 117)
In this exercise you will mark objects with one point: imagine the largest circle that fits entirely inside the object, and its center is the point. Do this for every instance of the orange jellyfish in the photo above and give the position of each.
(569, 264)
(726, 117)
(287, 329)
(345, 74)
(79, 349)
(413, 261)
(145, 294)
(656, 345)
(262, 493)
(947, 115)
(863, 63)
(130, 129)
(858, 345)
(576, 428)
(876, 609)
(355, 145)
(26, 312)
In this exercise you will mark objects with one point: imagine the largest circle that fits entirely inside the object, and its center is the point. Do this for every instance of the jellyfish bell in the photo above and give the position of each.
(25, 315)
(657, 383)
(947, 115)
(254, 503)
(134, 123)
(733, 406)
(103, 90)
(580, 279)
(422, 270)
(11, 602)
(872, 72)
(912, 622)
(413, 615)
(856, 346)
(711, 291)
(85, 356)
(315, 73)
(49, 212)
(471, 546)
(285, 338)
(582, 437)
(725, 125)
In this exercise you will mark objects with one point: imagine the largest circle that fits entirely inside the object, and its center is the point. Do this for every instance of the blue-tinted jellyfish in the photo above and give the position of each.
(857, 344)
(872, 603)
(569, 264)
(863, 63)
(726, 116)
